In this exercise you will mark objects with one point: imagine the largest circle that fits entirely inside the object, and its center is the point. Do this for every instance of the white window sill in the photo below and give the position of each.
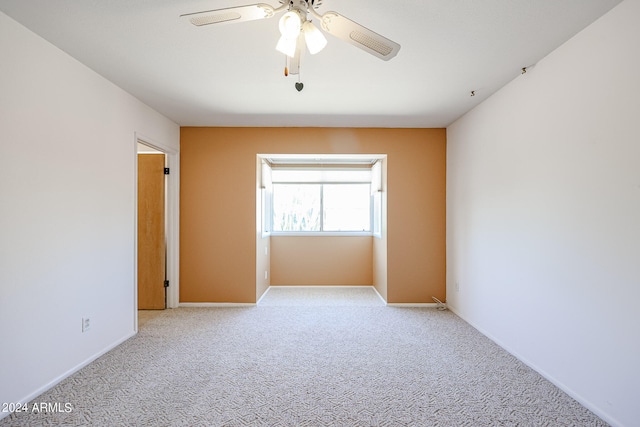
(321, 233)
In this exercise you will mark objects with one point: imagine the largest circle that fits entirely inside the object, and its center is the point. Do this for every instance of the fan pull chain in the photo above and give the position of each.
(299, 85)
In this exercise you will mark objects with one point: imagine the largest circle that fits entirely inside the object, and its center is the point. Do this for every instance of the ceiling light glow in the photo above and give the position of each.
(316, 41)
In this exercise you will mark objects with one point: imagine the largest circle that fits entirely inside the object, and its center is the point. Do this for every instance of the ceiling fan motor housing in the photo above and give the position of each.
(310, 3)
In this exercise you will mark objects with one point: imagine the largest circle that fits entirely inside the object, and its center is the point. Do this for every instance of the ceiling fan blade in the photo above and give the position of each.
(231, 14)
(359, 36)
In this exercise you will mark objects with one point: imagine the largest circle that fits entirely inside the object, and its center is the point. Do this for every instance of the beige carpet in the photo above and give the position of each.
(144, 316)
(320, 364)
(291, 296)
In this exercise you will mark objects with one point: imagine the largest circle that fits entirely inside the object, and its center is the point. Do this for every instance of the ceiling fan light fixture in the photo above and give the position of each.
(316, 41)
(290, 24)
(287, 46)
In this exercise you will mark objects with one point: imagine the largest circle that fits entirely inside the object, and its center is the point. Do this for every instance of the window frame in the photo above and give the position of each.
(374, 163)
(322, 232)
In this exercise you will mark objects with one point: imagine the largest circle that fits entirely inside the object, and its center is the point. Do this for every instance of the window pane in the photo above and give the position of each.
(346, 207)
(296, 207)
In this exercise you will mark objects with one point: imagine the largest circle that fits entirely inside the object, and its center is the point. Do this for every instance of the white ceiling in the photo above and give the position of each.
(231, 75)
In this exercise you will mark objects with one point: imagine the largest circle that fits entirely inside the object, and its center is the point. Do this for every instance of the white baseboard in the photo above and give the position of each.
(263, 295)
(217, 304)
(241, 304)
(322, 286)
(379, 296)
(68, 373)
(412, 304)
(584, 402)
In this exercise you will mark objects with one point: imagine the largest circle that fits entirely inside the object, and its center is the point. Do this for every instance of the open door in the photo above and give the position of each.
(151, 230)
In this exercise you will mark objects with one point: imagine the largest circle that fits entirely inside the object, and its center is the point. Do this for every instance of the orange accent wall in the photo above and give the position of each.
(322, 260)
(220, 245)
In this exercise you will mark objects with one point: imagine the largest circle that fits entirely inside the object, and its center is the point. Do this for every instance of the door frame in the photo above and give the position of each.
(172, 220)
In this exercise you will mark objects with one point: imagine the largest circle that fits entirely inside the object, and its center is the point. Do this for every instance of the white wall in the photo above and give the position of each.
(543, 217)
(67, 178)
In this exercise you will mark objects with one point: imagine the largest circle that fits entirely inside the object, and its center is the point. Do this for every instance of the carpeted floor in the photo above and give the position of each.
(292, 296)
(283, 363)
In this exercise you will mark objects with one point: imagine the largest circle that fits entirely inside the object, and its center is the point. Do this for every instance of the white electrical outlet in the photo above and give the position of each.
(86, 324)
(266, 250)
(266, 274)
(457, 286)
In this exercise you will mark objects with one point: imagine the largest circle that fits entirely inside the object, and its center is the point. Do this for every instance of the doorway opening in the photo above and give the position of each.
(156, 226)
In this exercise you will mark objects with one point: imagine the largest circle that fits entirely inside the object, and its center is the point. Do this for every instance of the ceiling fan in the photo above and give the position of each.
(297, 29)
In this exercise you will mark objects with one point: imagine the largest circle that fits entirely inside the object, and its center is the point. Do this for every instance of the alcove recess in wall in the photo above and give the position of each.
(348, 251)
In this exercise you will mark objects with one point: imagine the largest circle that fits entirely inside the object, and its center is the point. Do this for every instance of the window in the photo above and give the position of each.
(321, 200)
(296, 207)
(321, 194)
(321, 207)
(346, 207)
